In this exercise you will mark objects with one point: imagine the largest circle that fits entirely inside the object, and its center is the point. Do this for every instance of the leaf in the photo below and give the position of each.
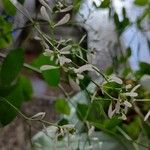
(141, 2)
(105, 4)
(26, 88)
(9, 7)
(64, 20)
(129, 52)
(15, 98)
(11, 66)
(81, 111)
(76, 5)
(144, 68)
(121, 25)
(61, 106)
(5, 34)
(110, 124)
(52, 77)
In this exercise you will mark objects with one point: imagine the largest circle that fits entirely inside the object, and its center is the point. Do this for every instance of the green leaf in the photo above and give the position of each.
(7, 112)
(105, 4)
(9, 7)
(11, 66)
(21, 1)
(81, 111)
(129, 52)
(5, 34)
(141, 2)
(26, 88)
(112, 88)
(76, 5)
(110, 124)
(121, 25)
(109, 70)
(144, 68)
(52, 77)
(61, 106)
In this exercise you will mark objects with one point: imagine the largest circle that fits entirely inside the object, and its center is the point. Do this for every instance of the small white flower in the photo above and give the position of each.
(80, 76)
(44, 13)
(87, 67)
(66, 9)
(37, 38)
(45, 4)
(68, 126)
(66, 50)
(91, 130)
(126, 103)
(64, 20)
(147, 116)
(74, 85)
(135, 88)
(123, 117)
(128, 86)
(116, 79)
(131, 94)
(39, 115)
(110, 111)
(48, 52)
(63, 60)
(117, 107)
(48, 67)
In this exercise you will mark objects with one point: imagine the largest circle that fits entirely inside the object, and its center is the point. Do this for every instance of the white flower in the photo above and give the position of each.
(135, 88)
(117, 107)
(66, 50)
(128, 86)
(44, 13)
(116, 79)
(74, 85)
(80, 76)
(68, 126)
(123, 117)
(39, 116)
(147, 116)
(48, 67)
(87, 67)
(64, 20)
(48, 52)
(126, 103)
(45, 4)
(110, 111)
(62, 60)
(66, 9)
(91, 130)
(131, 94)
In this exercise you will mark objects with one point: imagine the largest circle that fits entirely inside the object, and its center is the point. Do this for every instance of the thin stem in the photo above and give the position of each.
(24, 116)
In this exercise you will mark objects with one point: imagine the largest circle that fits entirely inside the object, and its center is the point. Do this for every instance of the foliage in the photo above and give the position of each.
(116, 105)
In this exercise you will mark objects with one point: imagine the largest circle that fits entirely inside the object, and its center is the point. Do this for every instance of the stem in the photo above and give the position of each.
(24, 116)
